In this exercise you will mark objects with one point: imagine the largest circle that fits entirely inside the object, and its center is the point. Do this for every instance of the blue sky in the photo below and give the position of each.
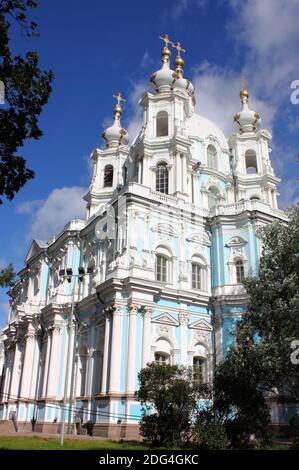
(97, 48)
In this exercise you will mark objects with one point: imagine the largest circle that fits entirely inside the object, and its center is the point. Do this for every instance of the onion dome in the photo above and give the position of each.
(246, 120)
(162, 80)
(116, 135)
(180, 82)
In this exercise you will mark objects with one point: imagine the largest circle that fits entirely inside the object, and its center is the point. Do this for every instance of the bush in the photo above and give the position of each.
(294, 428)
(210, 436)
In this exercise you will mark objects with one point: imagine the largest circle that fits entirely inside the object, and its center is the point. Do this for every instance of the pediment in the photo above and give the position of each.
(200, 238)
(36, 247)
(201, 325)
(165, 319)
(165, 229)
(235, 242)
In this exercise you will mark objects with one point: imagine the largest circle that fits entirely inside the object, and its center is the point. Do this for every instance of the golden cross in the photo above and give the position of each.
(244, 83)
(179, 48)
(119, 98)
(166, 39)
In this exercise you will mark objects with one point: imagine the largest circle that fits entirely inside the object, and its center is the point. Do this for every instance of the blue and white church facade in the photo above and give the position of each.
(169, 236)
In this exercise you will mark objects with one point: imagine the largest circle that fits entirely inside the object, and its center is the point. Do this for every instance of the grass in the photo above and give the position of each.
(50, 443)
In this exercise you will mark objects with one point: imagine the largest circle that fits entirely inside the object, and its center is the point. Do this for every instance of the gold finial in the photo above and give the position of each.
(244, 93)
(179, 61)
(117, 107)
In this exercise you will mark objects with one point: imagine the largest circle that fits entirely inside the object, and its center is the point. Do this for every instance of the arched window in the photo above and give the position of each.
(36, 284)
(162, 178)
(199, 370)
(240, 273)
(162, 358)
(212, 157)
(213, 197)
(161, 268)
(125, 174)
(162, 123)
(108, 176)
(162, 351)
(250, 162)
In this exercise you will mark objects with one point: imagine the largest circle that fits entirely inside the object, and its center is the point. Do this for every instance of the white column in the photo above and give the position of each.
(178, 172)
(196, 187)
(15, 381)
(91, 361)
(184, 174)
(35, 368)
(131, 359)
(115, 361)
(146, 336)
(28, 364)
(184, 338)
(106, 354)
(8, 374)
(46, 366)
(54, 363)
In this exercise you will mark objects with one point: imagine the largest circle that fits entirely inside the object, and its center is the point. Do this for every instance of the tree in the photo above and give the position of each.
(259, 365)
(169, 397)
(273, 311)
(27, 89)
(239, 401)
(7, 276)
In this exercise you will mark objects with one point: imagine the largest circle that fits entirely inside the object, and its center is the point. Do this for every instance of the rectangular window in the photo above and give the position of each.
(196, 276)
(240, 272)
(198, 370)
(161, 269)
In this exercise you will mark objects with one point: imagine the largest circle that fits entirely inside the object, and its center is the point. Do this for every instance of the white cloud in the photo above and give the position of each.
(269, 30)
(135, 119)
(181, 6)
(289, 193)
(49, 216)
(267, 35)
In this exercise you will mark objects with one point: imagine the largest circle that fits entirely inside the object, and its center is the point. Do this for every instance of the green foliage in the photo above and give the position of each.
(210, 437)
(273, 311)
(7, 276)
(27, 89)
(169, 398)
(209, 430)
(259, 363)
(237, 397)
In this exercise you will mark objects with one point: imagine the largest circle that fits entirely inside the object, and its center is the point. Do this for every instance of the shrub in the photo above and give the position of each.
(210, 436)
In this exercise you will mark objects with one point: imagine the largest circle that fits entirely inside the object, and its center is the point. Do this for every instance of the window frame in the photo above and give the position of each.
(162, 122)
(162, 178)
(108, 168)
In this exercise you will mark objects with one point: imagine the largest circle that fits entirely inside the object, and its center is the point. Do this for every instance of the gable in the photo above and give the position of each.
(165, 319)
(201, 325)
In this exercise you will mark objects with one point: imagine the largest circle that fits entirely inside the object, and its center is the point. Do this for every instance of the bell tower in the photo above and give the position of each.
(161, 152)
(109, 168)
(251, 164)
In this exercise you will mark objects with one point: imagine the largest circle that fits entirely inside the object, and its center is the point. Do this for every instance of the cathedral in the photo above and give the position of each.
(155, 271)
